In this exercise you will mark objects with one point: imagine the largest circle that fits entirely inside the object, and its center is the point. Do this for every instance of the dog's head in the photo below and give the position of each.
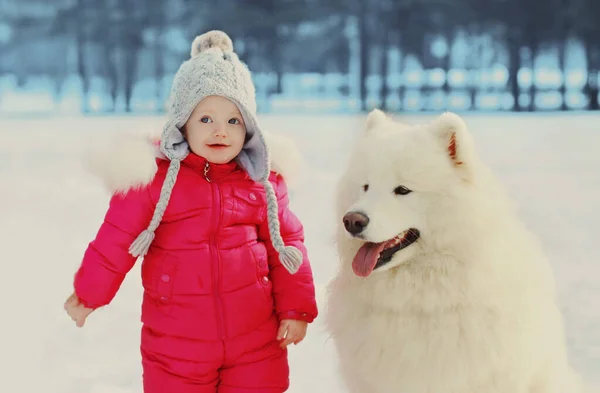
(403, 186)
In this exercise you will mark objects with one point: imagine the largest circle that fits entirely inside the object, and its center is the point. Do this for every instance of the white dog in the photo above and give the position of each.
(441, 288)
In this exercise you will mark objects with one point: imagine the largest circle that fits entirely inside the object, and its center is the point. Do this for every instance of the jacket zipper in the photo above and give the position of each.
(215, 253)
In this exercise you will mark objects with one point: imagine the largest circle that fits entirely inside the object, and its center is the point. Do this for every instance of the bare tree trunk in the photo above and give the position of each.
(111, 71)
(514, 66)
(107, 46)
(273, 51)
(593, 93)
(130, 46)
(159, 67)
(129, 75)
(532, 89)
(591, 88)
(80, 42)
(364, 52)
(562, 49)
(385, 68)
(57, 85)
(564, 28)
(446, 61)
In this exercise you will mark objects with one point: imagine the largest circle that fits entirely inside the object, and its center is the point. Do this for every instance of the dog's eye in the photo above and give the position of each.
(365, 187)
(401, 190)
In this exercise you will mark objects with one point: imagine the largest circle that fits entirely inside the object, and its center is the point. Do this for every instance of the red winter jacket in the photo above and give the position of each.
(211, 272)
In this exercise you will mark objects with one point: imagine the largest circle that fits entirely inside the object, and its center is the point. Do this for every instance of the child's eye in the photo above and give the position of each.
(234, 121)
(205, 119)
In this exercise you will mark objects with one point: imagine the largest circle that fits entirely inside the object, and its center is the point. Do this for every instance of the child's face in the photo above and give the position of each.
(216, 130)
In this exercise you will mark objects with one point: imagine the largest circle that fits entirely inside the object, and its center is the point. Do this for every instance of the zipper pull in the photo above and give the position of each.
(206, 167)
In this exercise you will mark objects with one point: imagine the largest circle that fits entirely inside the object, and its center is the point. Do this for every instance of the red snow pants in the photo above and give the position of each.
(253, 363)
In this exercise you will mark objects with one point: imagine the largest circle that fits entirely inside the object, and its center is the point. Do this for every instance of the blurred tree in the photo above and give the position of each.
(264, 28)
(108, 31)
(564, 28)
(584, 14)
(130, 14)
(71, 21)
(156, 20)
(400, 23)
(527, 23)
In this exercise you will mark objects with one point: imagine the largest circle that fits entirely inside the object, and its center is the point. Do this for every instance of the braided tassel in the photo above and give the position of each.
(142, 243)
(290, 257)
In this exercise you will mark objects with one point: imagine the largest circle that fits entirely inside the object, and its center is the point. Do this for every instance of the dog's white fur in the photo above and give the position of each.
(471, 306)
(127, 160)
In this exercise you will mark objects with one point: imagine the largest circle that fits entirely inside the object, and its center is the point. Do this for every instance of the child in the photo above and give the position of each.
(224, 291)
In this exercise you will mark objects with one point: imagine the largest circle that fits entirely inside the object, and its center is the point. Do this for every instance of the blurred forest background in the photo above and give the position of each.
(313, 56)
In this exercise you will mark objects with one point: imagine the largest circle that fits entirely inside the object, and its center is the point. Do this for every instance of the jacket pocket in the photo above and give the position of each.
(250, 205)
(261, 261)
(158, 273)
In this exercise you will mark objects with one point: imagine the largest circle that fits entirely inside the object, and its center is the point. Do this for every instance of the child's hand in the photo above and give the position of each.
(293, 331)
(77, 311)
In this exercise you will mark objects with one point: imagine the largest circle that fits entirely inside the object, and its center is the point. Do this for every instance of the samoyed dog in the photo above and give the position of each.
(441, 288)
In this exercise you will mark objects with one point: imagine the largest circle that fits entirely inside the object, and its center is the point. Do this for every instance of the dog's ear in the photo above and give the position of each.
(452, 132)
(375, 118)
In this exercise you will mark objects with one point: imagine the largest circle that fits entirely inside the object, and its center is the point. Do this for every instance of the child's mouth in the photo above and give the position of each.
(218, 146)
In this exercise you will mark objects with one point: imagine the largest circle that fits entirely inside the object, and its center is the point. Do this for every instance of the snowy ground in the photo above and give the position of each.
(50, 209)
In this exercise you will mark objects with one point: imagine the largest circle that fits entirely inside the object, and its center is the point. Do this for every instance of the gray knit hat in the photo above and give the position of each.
(215, 69)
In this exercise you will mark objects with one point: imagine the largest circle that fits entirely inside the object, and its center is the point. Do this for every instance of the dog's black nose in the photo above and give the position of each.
(355, 223)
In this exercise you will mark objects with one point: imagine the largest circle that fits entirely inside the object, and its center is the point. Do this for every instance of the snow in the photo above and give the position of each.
(50, 209)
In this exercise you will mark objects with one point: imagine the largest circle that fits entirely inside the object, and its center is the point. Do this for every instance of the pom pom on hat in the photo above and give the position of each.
(211, 39)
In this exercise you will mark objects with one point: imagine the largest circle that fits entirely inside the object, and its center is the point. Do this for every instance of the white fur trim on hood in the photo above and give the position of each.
(123, 161)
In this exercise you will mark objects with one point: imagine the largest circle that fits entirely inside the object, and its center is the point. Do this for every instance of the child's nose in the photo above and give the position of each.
(219, 131)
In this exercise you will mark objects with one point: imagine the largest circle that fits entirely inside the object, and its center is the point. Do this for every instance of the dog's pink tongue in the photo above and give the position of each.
(366, 258)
